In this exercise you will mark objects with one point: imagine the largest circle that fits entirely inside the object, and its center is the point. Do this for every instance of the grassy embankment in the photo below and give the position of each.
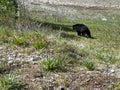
(66, 51)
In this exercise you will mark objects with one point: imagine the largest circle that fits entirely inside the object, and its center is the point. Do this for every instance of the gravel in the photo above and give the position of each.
(83, 3)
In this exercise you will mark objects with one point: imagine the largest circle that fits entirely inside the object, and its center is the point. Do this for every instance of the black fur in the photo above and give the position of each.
(82, 30)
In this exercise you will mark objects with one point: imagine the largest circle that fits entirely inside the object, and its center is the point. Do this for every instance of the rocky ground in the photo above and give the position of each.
(80, 3)
(18, 59)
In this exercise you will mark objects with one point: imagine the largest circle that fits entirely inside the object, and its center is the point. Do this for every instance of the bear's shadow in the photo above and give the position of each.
(67, 36)
(54, 26)
(88, 37)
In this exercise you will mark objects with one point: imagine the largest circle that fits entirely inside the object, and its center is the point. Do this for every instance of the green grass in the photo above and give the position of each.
(107, 56)
(90, 65)
(117, 86)
(9, 82)
(75, 51)
(39, 44)
(4, 34)
(4, 66)
(107, 32)
(20, 41)
(55, 63)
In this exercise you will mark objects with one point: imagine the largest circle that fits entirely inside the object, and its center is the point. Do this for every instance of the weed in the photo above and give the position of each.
(4, 34)
(89, 65)
(51, 63)
(55, 63)
(4, 39)
(9, 82)
(21, 41)
(5, 31)
(39, 44)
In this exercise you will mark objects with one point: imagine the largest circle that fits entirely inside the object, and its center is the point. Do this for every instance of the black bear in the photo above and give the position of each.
(82, 30)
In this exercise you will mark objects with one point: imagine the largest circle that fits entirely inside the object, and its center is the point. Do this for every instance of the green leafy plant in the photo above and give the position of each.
(39, 44)
(89, 65)
(56, 63)
(21, 41)
(4, 34)
(9, 82)
(51, 63)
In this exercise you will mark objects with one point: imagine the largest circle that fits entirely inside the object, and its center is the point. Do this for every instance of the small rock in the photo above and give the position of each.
(112, 70)
(10, 62)
(104, 19)
(1, 47)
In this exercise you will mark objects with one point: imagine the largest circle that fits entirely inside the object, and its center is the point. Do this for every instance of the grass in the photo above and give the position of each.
(4, 34)
(55, 63)
(9, 82)
(107, 56)
(63, 48)
(20, 41)
(39, 44)
(4, 66)
(118, 86)
(90, 65)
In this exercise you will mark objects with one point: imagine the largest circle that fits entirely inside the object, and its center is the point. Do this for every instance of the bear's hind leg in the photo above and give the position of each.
(79, 33)
(89, 34)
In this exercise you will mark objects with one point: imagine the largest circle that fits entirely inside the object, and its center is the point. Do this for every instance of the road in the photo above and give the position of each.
(81, 3)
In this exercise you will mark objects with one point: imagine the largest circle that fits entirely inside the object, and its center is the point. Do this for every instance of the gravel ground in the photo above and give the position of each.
(83, 3)
(100, 79)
